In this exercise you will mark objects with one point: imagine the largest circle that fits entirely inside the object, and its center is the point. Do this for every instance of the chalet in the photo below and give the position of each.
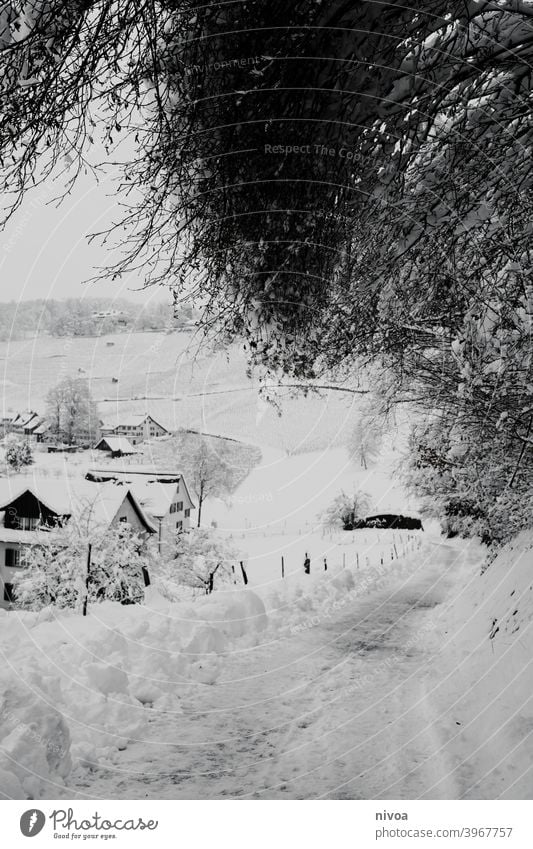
(29, 424)
(163, 495)
(136, 428)
(116, 446)
(25, 424)
(30, 507)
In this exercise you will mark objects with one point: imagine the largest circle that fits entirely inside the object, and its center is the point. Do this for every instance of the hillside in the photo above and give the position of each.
(181, 383)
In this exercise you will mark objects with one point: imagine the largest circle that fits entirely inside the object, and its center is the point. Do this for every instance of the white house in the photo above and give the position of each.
(29, 507)
(163, 495)
(136, 428)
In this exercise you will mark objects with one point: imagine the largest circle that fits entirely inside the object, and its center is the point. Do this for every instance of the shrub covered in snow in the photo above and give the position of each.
(474, 485)
(18, 453)
(59, 571)
(203, 561)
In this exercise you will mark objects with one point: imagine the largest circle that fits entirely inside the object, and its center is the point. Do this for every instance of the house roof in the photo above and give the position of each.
(34, 424)
(117, 444)
(93, 505)
(116, 471)
(22, 419)
(155, 497)
(154, 488)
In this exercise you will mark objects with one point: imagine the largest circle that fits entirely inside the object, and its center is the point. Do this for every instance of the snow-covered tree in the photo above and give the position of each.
(345, 510)
(203, 561)
(61, 570)
(18, 452)
(72, 413)
(209, 470)
(376, 202)
(366, 438)
(445, 88)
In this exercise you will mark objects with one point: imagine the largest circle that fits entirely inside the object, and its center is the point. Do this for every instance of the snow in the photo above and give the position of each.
(75, 689)
(409, 678)
(483, 696)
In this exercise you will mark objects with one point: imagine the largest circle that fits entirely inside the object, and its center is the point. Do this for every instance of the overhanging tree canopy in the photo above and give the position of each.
(294, 160)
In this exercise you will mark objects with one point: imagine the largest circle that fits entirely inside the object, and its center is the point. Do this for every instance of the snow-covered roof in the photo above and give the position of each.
(117, 444)
(23, 419)
(166, 475)
(155, 497)
(43, 427)
(97, 504)
(153, 488)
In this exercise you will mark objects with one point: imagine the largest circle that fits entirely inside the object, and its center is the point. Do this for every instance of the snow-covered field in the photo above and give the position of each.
(178, 382)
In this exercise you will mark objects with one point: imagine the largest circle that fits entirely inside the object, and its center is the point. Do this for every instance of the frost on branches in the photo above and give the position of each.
(261, 178)
(203, 561)
(18, 453)
(58, 570)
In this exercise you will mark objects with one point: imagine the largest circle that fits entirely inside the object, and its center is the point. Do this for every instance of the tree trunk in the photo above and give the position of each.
(200, 504)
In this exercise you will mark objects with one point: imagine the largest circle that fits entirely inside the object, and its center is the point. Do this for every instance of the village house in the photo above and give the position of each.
(163, 495)
(29, 507)
(29, 424)
(116, 446)
(136, 428)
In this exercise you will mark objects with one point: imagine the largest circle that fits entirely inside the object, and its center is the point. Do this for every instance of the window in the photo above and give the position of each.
(123, 519)
(187, 513)
(179, 525)
(12, 558)
(179, 506)
(8, 592)
(173, 507)
(25, 523)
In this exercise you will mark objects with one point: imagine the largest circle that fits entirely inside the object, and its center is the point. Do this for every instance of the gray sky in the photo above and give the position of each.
(44, 251)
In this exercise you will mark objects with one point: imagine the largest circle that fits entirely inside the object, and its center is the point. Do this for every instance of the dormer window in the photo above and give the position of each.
(29, 524)
(22, 523)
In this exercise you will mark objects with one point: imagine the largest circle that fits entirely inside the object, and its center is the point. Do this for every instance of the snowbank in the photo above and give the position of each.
(293, 607)
(76, 688)
(482, 689)
(80, 689)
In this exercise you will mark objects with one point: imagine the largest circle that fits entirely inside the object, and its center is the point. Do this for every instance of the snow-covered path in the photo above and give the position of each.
(336, 710)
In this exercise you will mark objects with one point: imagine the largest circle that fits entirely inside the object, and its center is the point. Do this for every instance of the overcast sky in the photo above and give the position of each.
(44, 251)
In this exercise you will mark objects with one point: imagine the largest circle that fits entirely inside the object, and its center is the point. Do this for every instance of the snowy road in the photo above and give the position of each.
(337, 710)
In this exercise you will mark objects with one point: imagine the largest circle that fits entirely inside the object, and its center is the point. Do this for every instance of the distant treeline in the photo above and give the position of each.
(85, 317)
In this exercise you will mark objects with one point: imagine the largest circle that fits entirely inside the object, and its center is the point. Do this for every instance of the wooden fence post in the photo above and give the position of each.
(87, 576)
